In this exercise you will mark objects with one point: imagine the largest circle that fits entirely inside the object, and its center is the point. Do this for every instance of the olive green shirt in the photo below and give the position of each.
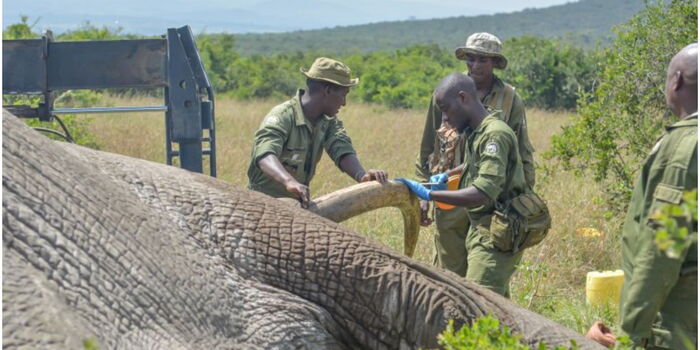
(655, 283)
(516, 121)
(289, 135)
(492, 165)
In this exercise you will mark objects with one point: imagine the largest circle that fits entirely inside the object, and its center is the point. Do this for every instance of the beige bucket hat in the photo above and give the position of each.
(484, 44)
(330, 70)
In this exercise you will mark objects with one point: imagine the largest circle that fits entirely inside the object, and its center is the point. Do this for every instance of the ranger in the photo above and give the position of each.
(288, 145)
(659, 303)
(441, 146)
(493, 173)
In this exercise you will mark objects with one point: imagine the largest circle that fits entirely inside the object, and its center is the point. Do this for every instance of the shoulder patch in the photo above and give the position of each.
(272, 119)
(491, 148)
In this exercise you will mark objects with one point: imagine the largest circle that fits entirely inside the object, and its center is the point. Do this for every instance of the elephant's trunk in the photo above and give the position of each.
(361, 198)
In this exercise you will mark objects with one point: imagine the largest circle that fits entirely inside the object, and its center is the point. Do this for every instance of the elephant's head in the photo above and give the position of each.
(137, 254)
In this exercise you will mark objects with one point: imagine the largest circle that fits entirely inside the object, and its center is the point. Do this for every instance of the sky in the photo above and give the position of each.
(236, 16)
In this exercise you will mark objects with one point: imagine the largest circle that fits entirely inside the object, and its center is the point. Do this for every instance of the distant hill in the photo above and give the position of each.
(584, 22)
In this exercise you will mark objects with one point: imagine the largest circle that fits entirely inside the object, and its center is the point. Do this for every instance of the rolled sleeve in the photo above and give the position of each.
(270, 138)
(491, 176)
(337, 142)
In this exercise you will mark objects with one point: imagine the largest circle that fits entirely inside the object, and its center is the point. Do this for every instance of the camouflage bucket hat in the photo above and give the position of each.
(330, 70)
(483, 44)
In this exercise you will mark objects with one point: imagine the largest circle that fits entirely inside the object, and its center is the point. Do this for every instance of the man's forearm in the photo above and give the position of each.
(468, 197)
(273, 168)
(350, 165)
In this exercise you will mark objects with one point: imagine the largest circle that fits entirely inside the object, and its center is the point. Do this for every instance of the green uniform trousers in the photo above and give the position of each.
(468, 251)
(450, 248)
(677, 317)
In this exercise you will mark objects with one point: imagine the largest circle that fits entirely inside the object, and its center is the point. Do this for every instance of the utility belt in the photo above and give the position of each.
(520, 222)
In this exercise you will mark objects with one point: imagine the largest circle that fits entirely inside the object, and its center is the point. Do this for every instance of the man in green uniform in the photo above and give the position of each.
(441, 146)
(493, 173)
(658, 307)
(289, 142)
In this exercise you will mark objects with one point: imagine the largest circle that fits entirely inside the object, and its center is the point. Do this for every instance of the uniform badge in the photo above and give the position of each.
(273, 119)
(491, 148)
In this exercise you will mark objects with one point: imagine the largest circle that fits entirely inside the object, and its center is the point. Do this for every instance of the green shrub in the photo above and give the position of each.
(21, 30)
(405, 78)
(88, 31)
(90, 344)
(487, 333)
(678, 223)
(217, 54)
(77, 125)
(548, 74)
(620, 120)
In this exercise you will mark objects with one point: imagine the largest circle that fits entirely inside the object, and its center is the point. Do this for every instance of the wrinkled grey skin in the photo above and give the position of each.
(141, 255)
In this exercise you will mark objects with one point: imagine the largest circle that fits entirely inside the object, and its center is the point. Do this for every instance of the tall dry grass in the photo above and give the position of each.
(551, 278)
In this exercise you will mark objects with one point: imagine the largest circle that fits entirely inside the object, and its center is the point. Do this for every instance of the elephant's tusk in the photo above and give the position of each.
(367, 196)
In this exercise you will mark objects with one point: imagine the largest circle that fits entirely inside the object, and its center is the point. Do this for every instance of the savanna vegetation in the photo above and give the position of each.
(621, 118)
(593, 115)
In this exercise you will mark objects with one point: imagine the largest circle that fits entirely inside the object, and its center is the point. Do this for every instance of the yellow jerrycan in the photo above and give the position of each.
(603, 287)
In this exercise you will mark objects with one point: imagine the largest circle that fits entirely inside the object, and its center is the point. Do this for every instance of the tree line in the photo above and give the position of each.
(549, 73)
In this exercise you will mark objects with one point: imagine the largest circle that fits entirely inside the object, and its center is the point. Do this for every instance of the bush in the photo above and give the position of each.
(549, 74)
(405, 78)
(620, 120)
(21, 30)
(487, 333)
(262, 76)
(88, 31)
(676, 232)
(216, 53)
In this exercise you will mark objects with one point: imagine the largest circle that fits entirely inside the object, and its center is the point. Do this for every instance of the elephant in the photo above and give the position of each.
(126, 253)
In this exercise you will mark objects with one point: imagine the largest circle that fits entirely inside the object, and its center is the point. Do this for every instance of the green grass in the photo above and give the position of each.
(550, 281)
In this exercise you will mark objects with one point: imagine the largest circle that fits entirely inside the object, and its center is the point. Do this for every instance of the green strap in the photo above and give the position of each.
(509, 97)
(504, 101)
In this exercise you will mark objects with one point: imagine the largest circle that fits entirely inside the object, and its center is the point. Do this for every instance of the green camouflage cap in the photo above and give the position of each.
(483, 44)
(330, 70)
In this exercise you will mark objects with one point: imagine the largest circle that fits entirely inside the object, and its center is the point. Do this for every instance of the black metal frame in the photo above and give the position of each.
(42, 66)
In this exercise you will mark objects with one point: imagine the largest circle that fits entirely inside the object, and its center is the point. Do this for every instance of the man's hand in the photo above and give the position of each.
(601, 334)
(415, 187)
(424, 209)
(299, 190)
(374, 174)
(441, 180)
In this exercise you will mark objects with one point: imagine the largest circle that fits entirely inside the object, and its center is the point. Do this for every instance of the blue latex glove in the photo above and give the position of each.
(441, 179)
(415, 187)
